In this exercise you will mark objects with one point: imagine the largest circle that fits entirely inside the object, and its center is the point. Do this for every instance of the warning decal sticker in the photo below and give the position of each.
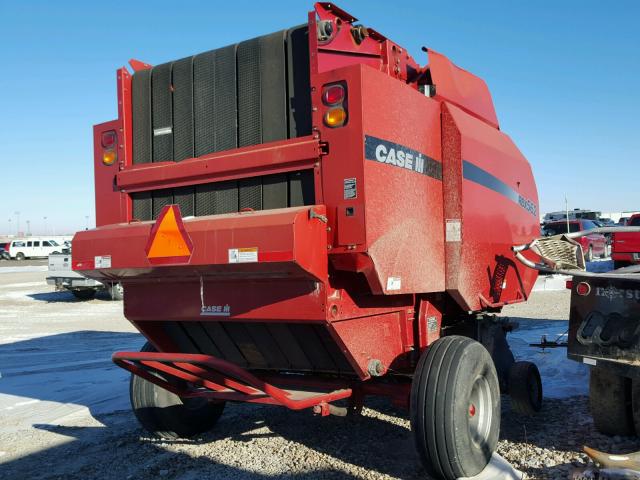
(243, 255)
(350, 189)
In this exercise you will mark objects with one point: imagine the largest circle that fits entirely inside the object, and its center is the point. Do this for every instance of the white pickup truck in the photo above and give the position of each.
(64, 278)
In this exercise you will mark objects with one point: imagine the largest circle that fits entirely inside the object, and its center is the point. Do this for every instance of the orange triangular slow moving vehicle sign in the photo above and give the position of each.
(169, 242)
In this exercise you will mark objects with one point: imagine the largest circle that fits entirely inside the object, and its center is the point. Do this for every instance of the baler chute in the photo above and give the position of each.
(333, 220)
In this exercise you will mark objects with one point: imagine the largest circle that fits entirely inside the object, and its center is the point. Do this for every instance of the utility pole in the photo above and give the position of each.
(17, 214)
(45, 225)
(566, 206)
(28, 228)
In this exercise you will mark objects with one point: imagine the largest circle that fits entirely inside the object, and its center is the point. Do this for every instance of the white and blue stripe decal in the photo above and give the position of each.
(475, 174)
(399, 156)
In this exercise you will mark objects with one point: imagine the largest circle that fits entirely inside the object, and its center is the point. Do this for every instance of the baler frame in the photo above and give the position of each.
(219, 380)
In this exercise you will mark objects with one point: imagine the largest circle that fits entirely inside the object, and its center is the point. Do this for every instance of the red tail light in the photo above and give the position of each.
(109, 139)
(583, 289)
(333, 94)
(569, 284)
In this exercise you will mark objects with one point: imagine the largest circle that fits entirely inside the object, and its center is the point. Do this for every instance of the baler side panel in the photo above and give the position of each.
(404, 209)
(497, 207)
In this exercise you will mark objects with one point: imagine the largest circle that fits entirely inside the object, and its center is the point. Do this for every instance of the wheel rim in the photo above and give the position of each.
(480, 411)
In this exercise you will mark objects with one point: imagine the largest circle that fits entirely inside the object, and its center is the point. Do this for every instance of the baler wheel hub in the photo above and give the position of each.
(480, 411)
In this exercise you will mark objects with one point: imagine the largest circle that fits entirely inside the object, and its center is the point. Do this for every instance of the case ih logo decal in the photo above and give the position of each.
(215, 311)
(477, 175)
(400, 156)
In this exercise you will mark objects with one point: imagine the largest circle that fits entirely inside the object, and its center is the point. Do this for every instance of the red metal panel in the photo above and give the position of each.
(263, 159)
(343, 161)
(283, 233)
(429, 321)
(111, 205)
(403, 207)
(342, 49)
(461, 88)
(370, 339)
(479, 263)
(248, 299)
(125, 144)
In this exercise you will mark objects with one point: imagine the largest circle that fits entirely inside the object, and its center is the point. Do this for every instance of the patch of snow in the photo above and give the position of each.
(497, 469)
(551, 282)
(561, 377)
(29, 268)
(49, 377)
(21, 285)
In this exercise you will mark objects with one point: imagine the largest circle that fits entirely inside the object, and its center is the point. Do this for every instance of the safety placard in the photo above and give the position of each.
(102, 261)
(453, 231)
(243, 255)
(350, 189)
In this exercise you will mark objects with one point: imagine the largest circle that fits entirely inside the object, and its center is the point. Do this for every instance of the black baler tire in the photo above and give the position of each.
(165, 414)
(526, 398)
(84, 294)
(610, 402)
(440, 400)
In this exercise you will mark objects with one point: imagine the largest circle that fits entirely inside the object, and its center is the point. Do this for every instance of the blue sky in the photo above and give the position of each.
(564, 76)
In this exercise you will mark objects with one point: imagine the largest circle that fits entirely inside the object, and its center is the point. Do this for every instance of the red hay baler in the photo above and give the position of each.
(310, 217)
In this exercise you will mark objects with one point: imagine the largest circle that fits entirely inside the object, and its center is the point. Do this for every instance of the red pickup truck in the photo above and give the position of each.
(594, 244)
(625, 246)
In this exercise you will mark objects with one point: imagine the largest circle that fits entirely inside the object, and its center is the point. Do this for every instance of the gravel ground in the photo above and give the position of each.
(96, 438)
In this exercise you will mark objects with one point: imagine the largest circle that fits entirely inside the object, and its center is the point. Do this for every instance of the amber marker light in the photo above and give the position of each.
(335, 117)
